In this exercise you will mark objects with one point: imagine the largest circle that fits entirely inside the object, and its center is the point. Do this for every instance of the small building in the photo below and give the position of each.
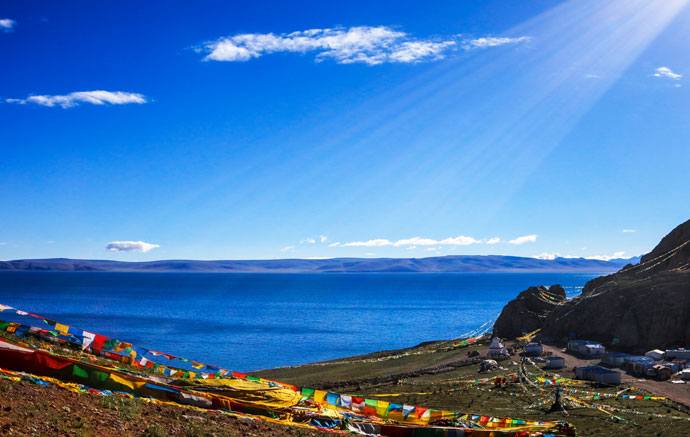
(675, 366)
(534, 349)
(497, 349)
(598, 374)
(684, 374)
(613, 359)
(585, 347)
(662, 372)
(638, 365)
(655, 354)
(555, 362)
(677, 354)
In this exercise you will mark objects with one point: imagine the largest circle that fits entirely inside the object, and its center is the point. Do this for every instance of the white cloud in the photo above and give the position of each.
(323, 238)
(99, 97)
(592, 76)
(370, 45)
(555, 255)
(619, 254)
(548, 256)
(369, 243)
(482, 43)
(666, 72)
(524, 239)
(308, 240)
(7, 25)
(494, 240)
(459, 241)
(129, 246)
(629, 230)
(287, 248)
(414, 241)
(337, 243)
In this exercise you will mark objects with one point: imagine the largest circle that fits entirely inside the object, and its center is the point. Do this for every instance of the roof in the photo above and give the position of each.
(597, 369)
(554, 358)
(618, 355)
(585, 342)
(638, 358)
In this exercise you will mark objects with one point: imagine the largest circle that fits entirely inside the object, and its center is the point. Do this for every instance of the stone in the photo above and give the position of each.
(528, 311)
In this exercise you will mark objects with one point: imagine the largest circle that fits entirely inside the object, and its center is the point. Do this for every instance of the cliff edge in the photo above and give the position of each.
(643, 306)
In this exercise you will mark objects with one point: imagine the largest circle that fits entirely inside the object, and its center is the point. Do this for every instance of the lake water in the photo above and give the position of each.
(247, 322)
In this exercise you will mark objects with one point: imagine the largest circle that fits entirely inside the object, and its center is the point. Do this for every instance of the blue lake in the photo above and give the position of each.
(247, 322)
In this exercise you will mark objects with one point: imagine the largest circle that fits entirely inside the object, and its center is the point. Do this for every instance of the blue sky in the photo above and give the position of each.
(320, 129)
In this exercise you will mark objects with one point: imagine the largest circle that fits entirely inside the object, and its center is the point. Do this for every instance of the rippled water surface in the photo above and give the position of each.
(252, 321)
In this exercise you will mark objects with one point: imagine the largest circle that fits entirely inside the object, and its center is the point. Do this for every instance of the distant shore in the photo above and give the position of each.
(445, 264)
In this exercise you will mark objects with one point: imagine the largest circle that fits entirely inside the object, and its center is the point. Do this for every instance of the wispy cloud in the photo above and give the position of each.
(287, 249)
(615, 255)
(494, 240)
(370, 45)
(323, 238)
(485, 42)
(129, 246)
(336, 244)
(98, 97)
(524, 239)
(308, 240)
(666, 72)
(546, 255)
(629, 230)
(554, 255)
(460, 240)
(7, 25)
(369, 243)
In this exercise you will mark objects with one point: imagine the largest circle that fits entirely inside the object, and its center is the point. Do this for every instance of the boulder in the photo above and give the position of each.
(487, 365)
(528, 311)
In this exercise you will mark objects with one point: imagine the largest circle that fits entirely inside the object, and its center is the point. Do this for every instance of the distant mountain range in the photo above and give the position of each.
(444, 264)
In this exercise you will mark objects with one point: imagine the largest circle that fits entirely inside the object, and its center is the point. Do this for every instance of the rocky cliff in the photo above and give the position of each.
(528, 311)
(643, 306)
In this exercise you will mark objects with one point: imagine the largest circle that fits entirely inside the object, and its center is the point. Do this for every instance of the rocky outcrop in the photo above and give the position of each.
(643, 306)
(528, 311)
